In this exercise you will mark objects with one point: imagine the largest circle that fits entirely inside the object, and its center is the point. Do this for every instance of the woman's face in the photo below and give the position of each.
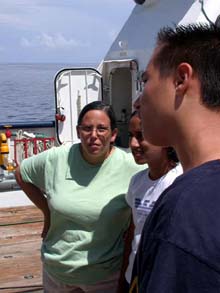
(142, 150)
(96, 136)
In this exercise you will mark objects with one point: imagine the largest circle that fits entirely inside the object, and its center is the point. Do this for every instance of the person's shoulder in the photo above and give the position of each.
(171, 176)
(125, 158)
(186, 215)
(42, 156)
(140, 176)
(202, 184)
(124, 154)
(193, 200)
(60, 149)
(199, 180)
(121, 151)
(138, 181)
(58, 153)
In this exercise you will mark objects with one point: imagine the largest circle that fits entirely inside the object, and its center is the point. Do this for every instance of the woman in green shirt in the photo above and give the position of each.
(81, 192)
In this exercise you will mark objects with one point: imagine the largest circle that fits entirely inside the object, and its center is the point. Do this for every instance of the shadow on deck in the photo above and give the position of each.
(20, 242)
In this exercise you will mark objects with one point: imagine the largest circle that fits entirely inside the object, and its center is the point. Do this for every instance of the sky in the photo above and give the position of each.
(59, 31)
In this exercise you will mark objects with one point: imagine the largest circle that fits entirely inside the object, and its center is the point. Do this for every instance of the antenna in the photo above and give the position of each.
(206, 16)
(217, 22)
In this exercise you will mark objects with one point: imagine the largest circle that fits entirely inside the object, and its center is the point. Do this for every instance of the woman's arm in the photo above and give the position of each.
(37, 197)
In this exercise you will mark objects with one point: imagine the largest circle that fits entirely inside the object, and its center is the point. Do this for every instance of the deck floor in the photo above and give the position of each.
(20, 241)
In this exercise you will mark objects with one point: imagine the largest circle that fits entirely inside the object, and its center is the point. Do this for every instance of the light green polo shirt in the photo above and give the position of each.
(89, 214)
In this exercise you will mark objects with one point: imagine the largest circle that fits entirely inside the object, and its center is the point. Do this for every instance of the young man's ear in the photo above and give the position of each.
(183, 75)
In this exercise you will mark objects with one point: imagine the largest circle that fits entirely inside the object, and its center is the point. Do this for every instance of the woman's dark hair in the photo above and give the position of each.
(99, 105)
(171, 154)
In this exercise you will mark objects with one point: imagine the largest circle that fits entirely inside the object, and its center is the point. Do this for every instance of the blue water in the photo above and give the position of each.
(27, 91)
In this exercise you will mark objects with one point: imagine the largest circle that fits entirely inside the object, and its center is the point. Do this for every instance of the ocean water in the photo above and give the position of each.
(27, 91)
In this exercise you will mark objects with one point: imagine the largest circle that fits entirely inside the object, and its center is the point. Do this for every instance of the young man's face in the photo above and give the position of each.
(157, 105)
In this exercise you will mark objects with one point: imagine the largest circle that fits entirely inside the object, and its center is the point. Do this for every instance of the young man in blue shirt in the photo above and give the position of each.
(180, 245)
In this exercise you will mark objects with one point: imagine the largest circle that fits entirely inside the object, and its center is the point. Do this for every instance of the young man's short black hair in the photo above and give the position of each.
(198, 45)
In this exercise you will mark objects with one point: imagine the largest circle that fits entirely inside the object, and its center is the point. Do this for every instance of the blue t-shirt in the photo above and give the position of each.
(180, 245)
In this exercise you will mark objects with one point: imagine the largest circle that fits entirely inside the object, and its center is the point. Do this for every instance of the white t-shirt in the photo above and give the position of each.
(141, 197)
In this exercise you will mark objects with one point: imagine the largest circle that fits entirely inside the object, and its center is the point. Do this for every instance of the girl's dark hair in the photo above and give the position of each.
(171, 154)
(99, 105)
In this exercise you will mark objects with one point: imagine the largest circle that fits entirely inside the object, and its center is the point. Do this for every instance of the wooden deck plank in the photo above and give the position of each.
(9, 216)
(20, 242)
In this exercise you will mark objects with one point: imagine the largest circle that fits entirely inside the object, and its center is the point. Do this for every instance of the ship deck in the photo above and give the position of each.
(20, 241)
